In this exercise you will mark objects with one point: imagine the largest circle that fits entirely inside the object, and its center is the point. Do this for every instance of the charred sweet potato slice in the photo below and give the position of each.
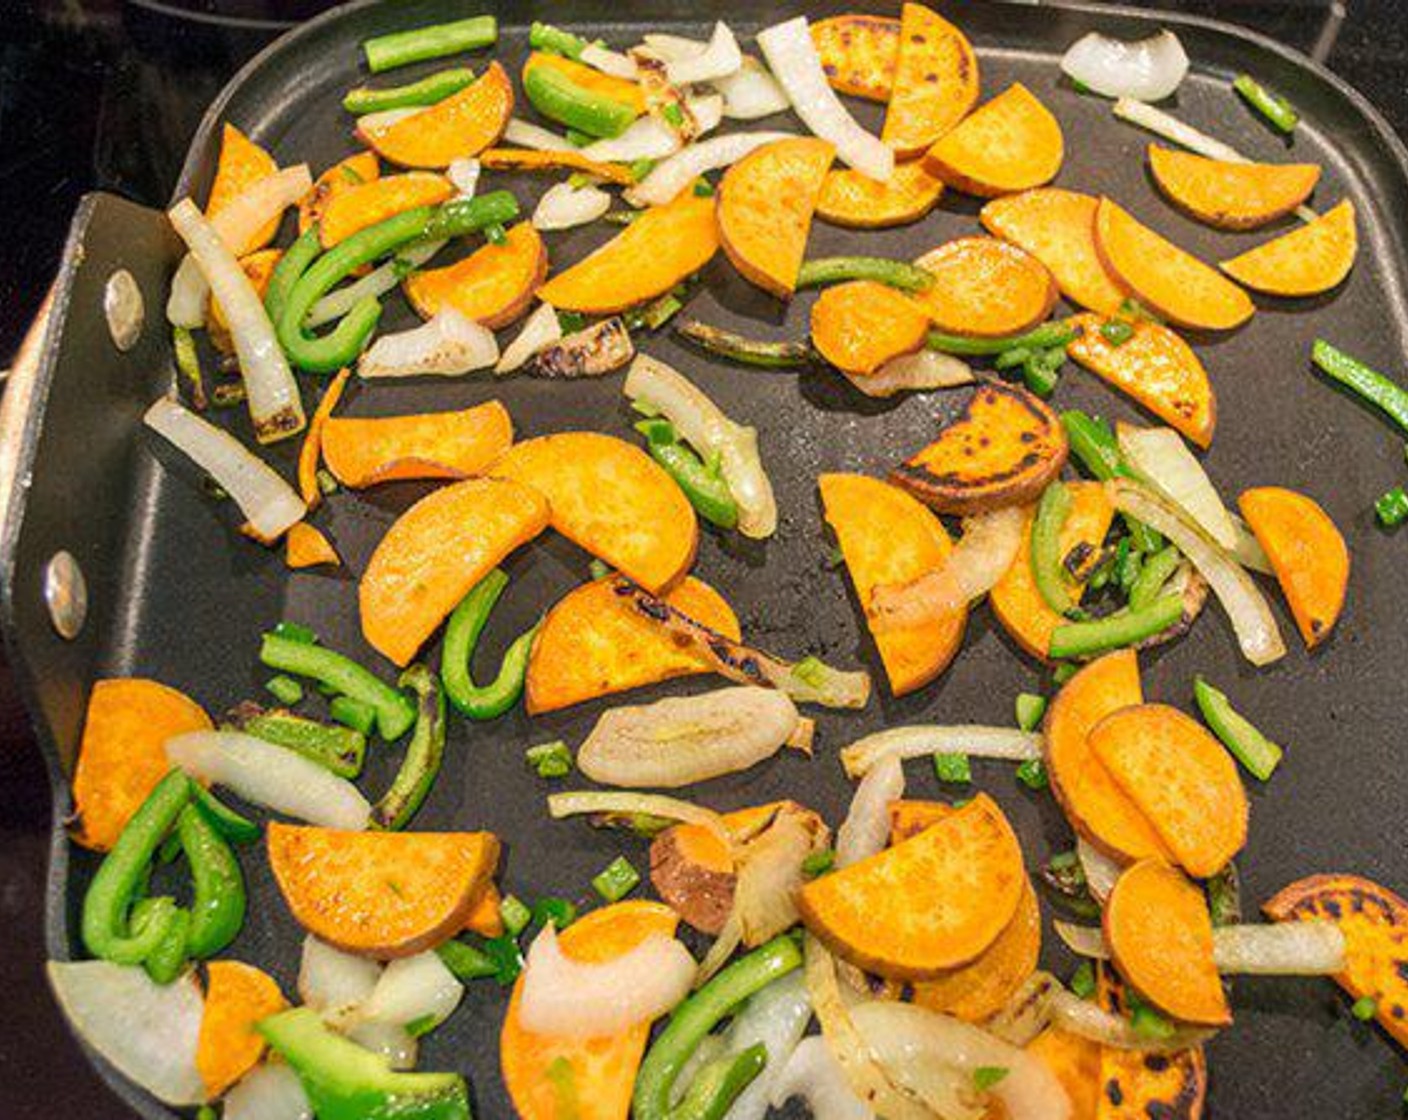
(1307, 553)
(860, 325)
(494, 285)
(1096, 807)
(1182, 779)
(935, 84)
(765, 206)
(1156, 368)
(359, 205)
(237, 996)
(859, 53)
(350, 172)
(1174, 284)
(1231, 195)
(462, 125)
(240, 165)
(1135, 1085)
(926, 905)
(1057, 227)
(857, 201)
(886, 536)
(1304, 262)
(1374, 922)
(1001, 449)
(525, 159)
(364, 451)
(1011, 143)
(985, 288)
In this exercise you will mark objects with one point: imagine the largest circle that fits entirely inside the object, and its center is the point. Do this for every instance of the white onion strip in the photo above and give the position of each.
(540, 330)
(648, 138)
(1100, 870)
(447, 345)
(924, 369)
(268, 1092)
(718, 59)
(607, 61)
(525, 134)
(418, 988)
(866, 829)
(334, 983)
(669, 178)
(922, 740)
(1315, 948)
(1089, 1020)
(813, 1074)
(1161, 458)
(378, 282)
(579, 802)
(1148, 69)
(751, 93)
(564, 206)
(777, 1017)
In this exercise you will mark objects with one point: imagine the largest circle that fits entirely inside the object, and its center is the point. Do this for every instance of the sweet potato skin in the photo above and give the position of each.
(859, 53)
(1011, 143)
(362, 167)
(462, 125)
(857, 201)
(985, 288)
(1307, 552)
(935, 84)
(237, 995)
(357, 206)
(1231, 195)
(1133, 1088)
(1304, 262)
(364, 451)
(494, 285)
(525, 159)
(860, 325)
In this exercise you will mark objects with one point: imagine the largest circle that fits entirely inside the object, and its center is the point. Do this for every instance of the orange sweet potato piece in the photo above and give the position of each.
(435, 552)
(1181, 778)
(1160, 935)
(909, 817)
(1000, 450)
(591, 645)
(1231, 195)
(382, 894)
(1304, 262)
(1133, 1088)
(462, 125)
(857, 201)
(611, 498)
(1307, 553)
(307, 547)
(486, 918)
(1374, 922)
(494, 285)
(650, 256)
(365, 451)
(591, 79)
(241, 164)
(886, 536)
(237, 995)
(926, 905)
(765, 206)
(1011, 143)
(360, 205)
(1155, 367)
(1016, 602)
(310, 454)
(986, 288)
(859, 53)
(259, 267)
(860, 325)
(1175, 285)
(935, 84)
(1075, 1062)
(1096, 807)
(122, 755)
(603, 1070)
(1057, 227)
(350, 172)
(525, 159)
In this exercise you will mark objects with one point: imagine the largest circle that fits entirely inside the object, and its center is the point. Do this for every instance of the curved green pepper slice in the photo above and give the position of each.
(462, 632)
(217, 910)
(422, 762)
(559, 98)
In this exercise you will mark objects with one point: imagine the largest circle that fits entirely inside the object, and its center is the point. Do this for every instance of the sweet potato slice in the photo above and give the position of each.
(613, 499)
(591, 645)
(1001, 449)
(241, 164)
(590, 79)
(603, 1070)
(1304, 262)
(1231, 195)
(307, 547)
(365, 451)
(362, 167)
(1096, 807)
(935, 84)
(1075, 1063)
(765, 206)
(986, 288)
(121, 756)
(1181, 778)
(435, 552)
(259, 267)
(862, 324)
(926, 905)
(1374, 922)
(462, 125)
(859, 53)
(494, 285)
(1175, 285)
(311, 453)
(1155, 367)
(908, 818)
(525, 159)
(486, 918)
(237, 995)
(663, 246)
(857, 201)
(1011, 143)
(1160, 936)
(886, 536)
(1132, 1086)
(981, 988)
(1057, 227)
(382, 894)
(1307, 553)
(360, 205)
(1016, 602)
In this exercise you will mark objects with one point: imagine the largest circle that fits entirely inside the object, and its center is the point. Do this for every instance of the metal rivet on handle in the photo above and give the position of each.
(66, 594)
(125, 309)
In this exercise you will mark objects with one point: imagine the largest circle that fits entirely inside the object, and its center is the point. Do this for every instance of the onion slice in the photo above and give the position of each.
(1089, 1020)
(1161, 457)
(719, 58)
(447, 345)
(390, 1041)
(751, 92)
(267, 501)
(147, 1031)
(269, 775)
(564, 206)
(525, 134)
(814, 1075)
(578, 802)
(1146, 70)
(673, 175)
(333, 983)
(648, 138)
(1100, 870)
(378, 282)
(1026, 1012)
(922, 740)
(1313, 948)
(866, 828)
(777, 1017)
(769, 873)
(417, 988)
(607, 61)
(924, 369)
(792, 56)
(1246, 607)
(464, 174)
(540, 330)
(271, 1091)
(568, 998)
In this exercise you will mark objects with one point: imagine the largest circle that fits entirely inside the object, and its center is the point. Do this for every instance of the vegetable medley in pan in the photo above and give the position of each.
(910, 931)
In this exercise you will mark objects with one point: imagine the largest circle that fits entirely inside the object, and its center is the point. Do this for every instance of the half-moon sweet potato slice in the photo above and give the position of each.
(306, 546)
(357, 206)
(860, 325)
(461, 126)
(493, 285)
(612, 499)
(364, 451)
(986, 288)
(1307, 553)
(858, 53)
(857, 201)
(237, 996)
(909, 817)
(1131, 1086)
(240, 165)
(362, 167)
(1011, 143)
(1304, 262)
(1001, 449)
(1231, 195)
(935, 84)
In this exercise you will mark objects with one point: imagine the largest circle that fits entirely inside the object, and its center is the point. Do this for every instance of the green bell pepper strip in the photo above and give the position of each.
(337, 749)
(430, 89)
(546, 37)
(465, 961)
(1044, 337)
(1048, 573)
(353, 714)
(183, 346)
(745, 351)
(284, 689)
(462, 632)
(1238, 734)
(717, 1085)
(706, 490)
(1041, 370)
(559, 98)
(697, 1016)
(290, 269)
(1368, 384)
(166, 961)
(218, 905)
(1030, 709)
(233, 826)
(394, 711)
(1084, 639)
(833, 270)
(1275, 108)
(1154, 572)
(106, 929)
(1092, 442)
(386, 52)
(422, 762)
